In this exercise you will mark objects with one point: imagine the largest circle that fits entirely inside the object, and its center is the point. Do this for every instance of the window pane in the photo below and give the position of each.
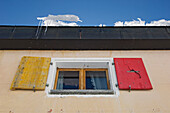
(68, 80)
(96, 80)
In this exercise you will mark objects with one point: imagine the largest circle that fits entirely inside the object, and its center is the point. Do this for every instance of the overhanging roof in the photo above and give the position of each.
(84, 38)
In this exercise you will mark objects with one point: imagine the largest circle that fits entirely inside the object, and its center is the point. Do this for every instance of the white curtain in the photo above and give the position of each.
(98, 79)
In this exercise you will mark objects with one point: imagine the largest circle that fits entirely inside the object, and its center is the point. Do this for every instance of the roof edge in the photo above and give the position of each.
(88, 26)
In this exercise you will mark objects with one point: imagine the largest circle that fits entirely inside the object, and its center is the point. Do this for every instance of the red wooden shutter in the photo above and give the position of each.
(131, 74)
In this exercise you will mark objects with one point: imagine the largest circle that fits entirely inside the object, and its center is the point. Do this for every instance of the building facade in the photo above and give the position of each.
(155, 59)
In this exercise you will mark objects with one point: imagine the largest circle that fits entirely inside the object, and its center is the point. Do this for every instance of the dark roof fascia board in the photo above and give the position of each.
(85, 44)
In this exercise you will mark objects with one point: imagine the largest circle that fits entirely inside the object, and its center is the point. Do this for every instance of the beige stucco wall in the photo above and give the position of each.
(151, 101)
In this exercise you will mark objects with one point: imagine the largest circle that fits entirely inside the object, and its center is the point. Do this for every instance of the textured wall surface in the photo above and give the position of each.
(157, 64)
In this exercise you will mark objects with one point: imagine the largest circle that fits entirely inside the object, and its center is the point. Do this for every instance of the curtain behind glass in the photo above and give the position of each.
(96, 80)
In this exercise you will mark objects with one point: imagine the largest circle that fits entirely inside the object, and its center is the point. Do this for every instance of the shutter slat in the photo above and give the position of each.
(32, 72)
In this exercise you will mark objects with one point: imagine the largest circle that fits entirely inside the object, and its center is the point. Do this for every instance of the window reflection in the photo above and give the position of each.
(68, 80)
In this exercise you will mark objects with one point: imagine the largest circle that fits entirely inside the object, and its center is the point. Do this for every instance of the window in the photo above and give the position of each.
(67, 79)
(72, 79)
(96, 79)
(94, 76)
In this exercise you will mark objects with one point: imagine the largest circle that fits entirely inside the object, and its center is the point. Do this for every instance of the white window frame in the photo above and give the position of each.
(82, 63)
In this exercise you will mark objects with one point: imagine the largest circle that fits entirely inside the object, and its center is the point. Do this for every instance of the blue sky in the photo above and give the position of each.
(91, 12)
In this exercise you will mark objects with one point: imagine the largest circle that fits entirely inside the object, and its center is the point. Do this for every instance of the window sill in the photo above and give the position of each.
(82, 92)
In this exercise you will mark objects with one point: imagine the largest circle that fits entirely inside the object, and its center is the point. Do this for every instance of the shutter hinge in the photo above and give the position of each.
(34, 88)
(47, 85)
(129, 88)
(51, 63)
(113, 63)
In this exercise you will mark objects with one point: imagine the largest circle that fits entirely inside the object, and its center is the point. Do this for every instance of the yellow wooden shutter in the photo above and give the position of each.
(31, 73)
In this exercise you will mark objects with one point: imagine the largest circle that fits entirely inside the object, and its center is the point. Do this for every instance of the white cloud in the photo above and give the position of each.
(162, 22)
(58, 23)
(102, 25)
(139, 22)
(59, 20)
(119, 23)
